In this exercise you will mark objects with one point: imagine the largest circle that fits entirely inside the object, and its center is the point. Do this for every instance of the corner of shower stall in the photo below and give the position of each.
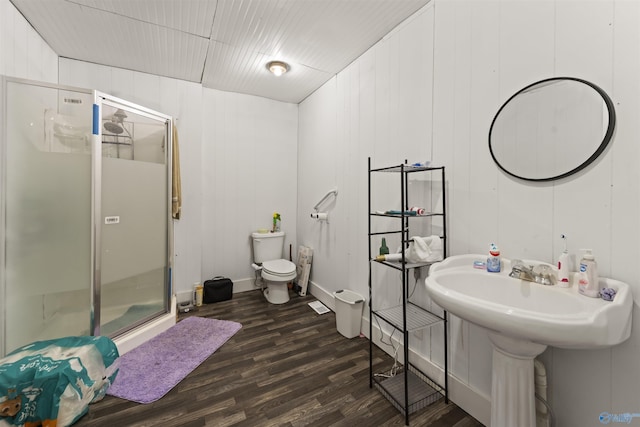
(85, 209)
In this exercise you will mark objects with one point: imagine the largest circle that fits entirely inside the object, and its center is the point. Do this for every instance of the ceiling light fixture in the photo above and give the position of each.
(278, 67)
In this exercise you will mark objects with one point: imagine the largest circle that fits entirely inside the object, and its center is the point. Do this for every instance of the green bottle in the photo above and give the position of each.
(384, 250)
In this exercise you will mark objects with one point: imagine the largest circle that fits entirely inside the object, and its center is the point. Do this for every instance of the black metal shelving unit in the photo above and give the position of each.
(411, 389)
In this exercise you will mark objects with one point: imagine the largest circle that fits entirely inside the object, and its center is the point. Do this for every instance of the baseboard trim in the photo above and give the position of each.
(470, 400)
(242, 285)
(323, 295)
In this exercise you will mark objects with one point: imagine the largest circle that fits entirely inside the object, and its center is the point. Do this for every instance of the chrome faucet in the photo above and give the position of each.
(542, 274)
(521, 271)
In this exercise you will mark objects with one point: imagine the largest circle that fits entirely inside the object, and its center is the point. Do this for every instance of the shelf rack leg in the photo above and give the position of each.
(405, 291)
(370, 293)
(446, 358)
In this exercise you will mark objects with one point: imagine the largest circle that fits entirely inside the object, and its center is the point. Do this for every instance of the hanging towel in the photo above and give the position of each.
(176, 186)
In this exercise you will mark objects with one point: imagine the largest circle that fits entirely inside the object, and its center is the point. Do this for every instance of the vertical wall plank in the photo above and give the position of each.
(7, 36)
(248, 172)
(23, 53)
(584, 49)
(526, 56)
(625, 200)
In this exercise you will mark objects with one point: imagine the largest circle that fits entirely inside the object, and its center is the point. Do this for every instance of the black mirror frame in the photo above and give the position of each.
(605, 141)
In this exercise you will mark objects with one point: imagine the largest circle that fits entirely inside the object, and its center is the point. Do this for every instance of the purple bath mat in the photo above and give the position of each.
(150, 370)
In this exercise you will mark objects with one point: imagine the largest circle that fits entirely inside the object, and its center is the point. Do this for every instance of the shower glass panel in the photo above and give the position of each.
(45, 285)
(134, 278)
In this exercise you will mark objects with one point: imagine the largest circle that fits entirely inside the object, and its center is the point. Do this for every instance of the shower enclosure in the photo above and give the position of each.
(85, 213)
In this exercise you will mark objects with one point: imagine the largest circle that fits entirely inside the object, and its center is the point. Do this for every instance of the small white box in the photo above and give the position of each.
(348, 312)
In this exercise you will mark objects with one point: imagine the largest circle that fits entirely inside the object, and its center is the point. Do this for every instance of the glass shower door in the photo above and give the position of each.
(45, 283)
(134, 238)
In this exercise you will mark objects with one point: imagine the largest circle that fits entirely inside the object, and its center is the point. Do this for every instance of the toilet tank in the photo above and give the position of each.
(267, 246)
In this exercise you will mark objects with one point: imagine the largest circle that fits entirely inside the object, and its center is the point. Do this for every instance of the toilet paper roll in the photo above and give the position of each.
(323, 216)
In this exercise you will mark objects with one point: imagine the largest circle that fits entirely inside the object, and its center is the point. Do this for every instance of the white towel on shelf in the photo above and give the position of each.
(425, 249)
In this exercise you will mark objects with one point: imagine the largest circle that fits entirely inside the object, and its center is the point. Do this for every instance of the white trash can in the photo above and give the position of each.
(348, 312)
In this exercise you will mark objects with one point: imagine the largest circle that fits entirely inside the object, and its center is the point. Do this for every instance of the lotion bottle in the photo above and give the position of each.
(564, 262)
(588, 282)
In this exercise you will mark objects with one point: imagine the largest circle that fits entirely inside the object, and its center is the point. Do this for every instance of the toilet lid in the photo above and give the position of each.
(279, 267)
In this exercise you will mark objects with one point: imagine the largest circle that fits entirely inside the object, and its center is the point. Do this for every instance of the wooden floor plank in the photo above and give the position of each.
(287, 366)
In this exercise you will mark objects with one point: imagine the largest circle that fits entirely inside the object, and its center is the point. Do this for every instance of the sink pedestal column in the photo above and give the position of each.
(512, 381)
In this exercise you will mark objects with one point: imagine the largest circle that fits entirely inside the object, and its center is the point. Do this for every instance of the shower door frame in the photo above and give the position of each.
(100, 99)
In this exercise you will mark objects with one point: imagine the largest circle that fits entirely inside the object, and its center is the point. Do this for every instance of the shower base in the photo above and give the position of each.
(125, 342)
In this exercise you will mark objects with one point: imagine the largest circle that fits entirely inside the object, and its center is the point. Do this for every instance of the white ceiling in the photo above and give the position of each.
(223, 44)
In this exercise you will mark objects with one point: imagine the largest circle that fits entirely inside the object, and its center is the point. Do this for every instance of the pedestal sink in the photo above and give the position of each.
(523, 318)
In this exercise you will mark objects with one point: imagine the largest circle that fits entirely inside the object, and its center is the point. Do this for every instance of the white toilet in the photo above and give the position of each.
(276, 271)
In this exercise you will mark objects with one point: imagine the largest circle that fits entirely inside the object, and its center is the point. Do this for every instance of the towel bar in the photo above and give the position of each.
(326, 196)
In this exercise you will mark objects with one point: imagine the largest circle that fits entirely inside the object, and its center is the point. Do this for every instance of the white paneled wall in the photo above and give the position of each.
(249, 152)
(429, 90)
(23, 53)
(355, 115)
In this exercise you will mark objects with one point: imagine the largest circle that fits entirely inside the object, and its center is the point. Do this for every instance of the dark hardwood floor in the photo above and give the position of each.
(287, 366)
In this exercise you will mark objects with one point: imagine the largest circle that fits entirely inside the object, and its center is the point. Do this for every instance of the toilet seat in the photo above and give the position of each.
(278, 270)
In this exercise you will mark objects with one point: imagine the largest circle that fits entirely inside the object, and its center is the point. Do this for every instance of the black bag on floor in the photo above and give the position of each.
(217, 289)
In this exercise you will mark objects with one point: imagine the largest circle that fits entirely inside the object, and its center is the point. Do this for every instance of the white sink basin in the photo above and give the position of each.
(547, 315)
(523, 318)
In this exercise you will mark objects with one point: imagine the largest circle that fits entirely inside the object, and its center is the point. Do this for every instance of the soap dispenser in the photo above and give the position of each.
(564, 266)
(493, 262)
(588, 281)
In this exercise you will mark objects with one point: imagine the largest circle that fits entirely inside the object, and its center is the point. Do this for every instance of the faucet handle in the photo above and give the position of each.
(545, 274)
(519, 270)
(515, 263)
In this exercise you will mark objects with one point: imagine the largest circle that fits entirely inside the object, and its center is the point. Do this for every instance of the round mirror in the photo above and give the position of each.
(551, 129)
